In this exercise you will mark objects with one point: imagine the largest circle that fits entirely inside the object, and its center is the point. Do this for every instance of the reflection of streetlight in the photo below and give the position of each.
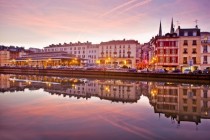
(97, 61)
(154, 61)
(125, 62)
(154, 91)
(107, 89)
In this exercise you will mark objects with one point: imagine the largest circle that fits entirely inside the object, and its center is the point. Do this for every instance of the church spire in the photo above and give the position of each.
(172, 27)
(160, 30)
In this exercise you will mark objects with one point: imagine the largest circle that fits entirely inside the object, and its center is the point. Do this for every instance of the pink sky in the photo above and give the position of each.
(39, 23)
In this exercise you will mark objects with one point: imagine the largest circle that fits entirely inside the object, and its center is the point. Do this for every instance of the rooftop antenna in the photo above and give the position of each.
(177, 22)
(196, 23)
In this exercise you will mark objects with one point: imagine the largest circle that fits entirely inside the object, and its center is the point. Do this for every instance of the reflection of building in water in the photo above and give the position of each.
(114, 90)
(183, 102)
(118, 90)
(4, 81)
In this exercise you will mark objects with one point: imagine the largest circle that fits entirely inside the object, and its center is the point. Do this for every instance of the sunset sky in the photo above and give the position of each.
(39, 23)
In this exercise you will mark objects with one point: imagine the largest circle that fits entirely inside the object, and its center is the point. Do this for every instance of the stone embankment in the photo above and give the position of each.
(166, 77)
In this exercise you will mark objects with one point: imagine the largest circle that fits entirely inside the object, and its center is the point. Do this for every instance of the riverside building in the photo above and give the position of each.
(189, 48)
(118, 53)
(205, 50)
(177, 49)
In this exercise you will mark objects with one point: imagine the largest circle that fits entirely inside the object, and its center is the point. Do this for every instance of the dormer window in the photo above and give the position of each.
(185, 33)
(194, 33)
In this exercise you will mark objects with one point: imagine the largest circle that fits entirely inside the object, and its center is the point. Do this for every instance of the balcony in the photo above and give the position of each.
(205, 62)
(184, 62)
(194, 52)
(205, 41)
(205, 51)
(185, 52)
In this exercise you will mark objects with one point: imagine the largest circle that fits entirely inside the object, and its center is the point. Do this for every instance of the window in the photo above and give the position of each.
(173, 51)
(161, 51)
(161, 43)
(185, 42)
(194, 51)
(205, 60)
(185, 92)
(194, 109)
(185, 51)
(205, 49)
(184, 60)
(194, 42)
(167, 51)
(185, 101)
(194, 101)
(161, 60)
(194, 33)
(185, 33)
(205, 93)
(185, 108)
(194, 60)
(167, 59)
(173, 59)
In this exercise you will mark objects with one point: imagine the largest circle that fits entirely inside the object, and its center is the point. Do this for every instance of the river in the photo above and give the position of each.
(42, 107)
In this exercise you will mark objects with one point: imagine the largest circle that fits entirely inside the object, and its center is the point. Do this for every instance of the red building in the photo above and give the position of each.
(166, 50)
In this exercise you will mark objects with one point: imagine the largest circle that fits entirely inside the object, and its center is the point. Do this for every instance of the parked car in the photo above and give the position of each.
(206, 71)
(187, 71)
(176, 71)
(132, 70)
(197, 72)
(144, 70)
(160, 71)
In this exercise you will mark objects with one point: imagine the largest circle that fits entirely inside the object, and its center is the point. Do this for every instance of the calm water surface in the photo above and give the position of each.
(41, 108)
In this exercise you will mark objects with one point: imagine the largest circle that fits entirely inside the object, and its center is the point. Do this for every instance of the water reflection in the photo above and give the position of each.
(177, 101)
(180, 102)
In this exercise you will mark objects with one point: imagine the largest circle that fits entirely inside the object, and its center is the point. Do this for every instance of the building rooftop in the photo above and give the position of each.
(116, 42)
(68, 44)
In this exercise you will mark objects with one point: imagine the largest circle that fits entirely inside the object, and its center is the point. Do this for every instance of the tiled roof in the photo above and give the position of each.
(113, 42)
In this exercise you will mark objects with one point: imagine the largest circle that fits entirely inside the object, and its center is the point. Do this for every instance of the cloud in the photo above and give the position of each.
(136, 5)
(118, 7)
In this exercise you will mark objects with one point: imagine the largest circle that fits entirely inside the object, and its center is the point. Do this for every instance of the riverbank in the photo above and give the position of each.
(167, 77)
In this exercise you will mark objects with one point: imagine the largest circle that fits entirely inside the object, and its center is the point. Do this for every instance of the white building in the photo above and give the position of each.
(205, 50)
(118, 53)
(80, 50)
(92, 53)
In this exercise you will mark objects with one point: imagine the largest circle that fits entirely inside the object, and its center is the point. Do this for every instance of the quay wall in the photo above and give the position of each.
(167, 77)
